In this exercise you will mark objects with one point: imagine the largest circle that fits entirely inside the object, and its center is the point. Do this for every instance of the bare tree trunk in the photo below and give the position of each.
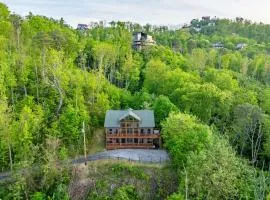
(60, 101)
(37, 83)
(57, 85)
(127, 83)
(255, 145)
(18, 38)
(10, 157)
(26, 194)
(12, 97)
(18, 33)
(25, 90)
(43, 62)
(258, 142)
(100, 72)
(84, 144)
(186, 183)
(76, 103)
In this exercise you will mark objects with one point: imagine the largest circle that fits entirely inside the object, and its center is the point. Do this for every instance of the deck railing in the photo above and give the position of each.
(129, 145)
(133, 135)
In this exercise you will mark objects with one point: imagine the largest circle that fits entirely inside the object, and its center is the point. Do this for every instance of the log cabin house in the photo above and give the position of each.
(141, 40)
(126, 129)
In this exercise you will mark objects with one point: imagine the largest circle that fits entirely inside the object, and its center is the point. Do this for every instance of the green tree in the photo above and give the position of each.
(162, 108)
(207, 102)
(4, 12)
(155, 77)
(183, 135)
(198, 60)
(216, 173)
(266, 100)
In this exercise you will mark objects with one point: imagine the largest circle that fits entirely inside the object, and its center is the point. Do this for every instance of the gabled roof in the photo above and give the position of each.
(130, 113)
(145, 117)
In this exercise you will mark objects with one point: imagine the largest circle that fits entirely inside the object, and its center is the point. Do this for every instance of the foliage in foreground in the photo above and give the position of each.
(207, 166)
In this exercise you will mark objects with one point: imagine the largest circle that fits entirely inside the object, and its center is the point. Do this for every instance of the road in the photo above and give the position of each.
(4, 175)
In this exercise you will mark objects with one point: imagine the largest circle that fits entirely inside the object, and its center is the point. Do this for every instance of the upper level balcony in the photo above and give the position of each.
(134, 134)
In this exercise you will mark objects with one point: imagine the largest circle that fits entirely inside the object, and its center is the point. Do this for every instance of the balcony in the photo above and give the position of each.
(132, 135)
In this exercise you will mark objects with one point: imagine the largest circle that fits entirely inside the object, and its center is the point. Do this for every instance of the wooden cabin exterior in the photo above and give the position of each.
(131, 129)
(142, 40)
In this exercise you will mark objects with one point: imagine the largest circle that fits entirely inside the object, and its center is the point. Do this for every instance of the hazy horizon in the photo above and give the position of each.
(166, 12)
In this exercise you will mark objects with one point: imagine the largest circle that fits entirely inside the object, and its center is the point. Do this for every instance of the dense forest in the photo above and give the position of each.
(211, 104)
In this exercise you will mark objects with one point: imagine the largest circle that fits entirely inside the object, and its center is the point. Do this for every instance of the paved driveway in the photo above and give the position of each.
(141, 155)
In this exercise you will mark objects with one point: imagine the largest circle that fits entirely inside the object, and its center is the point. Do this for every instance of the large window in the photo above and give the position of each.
(129, 122)
(109, 141)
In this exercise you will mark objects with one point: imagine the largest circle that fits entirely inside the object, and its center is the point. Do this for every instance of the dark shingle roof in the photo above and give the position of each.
(113, 117)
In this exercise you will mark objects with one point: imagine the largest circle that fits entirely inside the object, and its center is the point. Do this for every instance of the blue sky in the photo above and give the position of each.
(142, 11)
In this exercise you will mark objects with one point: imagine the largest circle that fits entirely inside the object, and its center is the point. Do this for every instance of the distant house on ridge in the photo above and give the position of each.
(82, 27)
(241, 46)
(141, 40)
(206, 18)
(218, 45)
